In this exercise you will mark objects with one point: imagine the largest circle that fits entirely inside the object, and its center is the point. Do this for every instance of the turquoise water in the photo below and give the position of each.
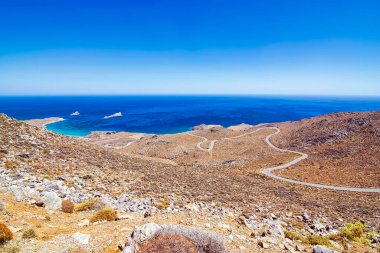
(173, 114)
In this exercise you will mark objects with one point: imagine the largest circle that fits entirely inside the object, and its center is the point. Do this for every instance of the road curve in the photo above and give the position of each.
(303, 156)
(204, 140)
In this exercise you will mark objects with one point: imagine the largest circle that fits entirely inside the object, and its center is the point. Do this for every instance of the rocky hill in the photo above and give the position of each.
(72, 160)
(63, 194)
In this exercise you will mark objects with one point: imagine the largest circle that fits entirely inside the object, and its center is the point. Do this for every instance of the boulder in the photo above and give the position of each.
(140, 235)
(52, 201)
(263, 245)
(145, 232)
(84, 223)
(321, 249)
(276, 229)
(81, 238)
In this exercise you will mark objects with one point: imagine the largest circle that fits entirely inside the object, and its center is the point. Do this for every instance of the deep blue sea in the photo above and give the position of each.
(172, 114)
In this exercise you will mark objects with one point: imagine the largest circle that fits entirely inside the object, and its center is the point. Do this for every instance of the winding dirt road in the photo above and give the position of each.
(303, 156)
(204, 140)
(268, 171)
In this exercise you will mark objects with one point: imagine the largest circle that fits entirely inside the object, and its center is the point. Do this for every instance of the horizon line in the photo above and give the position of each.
(187, 94)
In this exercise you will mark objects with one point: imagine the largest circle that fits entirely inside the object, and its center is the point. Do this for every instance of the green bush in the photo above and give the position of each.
(292, 235)
(353, 232)
(317, 240)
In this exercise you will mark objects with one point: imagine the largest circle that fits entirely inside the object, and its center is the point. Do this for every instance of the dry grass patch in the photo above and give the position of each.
(29, 233)
(91, 204)
(106, 214)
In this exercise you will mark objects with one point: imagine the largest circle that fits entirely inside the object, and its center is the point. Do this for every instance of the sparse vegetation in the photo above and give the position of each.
(10, 164)
(67, 206)
(316, 240)
(29, 233)
(91, 204)
(292, 235)
(5, 233)
(105, 214)
(353, 232)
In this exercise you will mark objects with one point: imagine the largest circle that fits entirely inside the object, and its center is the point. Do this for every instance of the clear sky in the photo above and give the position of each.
(324, 47)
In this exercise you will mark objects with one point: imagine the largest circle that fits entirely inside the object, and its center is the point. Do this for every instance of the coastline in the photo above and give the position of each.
(43, 122)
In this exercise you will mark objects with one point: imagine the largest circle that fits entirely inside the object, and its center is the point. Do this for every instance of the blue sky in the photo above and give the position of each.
(190, 47)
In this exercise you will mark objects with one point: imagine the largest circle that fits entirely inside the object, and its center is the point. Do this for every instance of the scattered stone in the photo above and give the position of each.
(263, 245)
(37, 201)
(52, 201)
(140, 235)
(26, 156)
(81, 238)
(321, 249)
(276, 229)
(147, 214)
(305, 217)
(2, 206)
(288, 246)
(84, 223)
(299, 248)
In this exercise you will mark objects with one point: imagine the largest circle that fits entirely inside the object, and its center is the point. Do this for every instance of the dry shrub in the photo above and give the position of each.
(205, 242)
(29, 233)
(89, 205)
(169, 244)
(5, 233)
(106, 214)
(67, 206)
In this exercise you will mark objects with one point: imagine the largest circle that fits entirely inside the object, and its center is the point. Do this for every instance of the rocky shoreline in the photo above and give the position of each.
(43, 122)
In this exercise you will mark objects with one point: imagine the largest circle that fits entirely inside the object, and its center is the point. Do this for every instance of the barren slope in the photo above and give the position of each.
(343, 148)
